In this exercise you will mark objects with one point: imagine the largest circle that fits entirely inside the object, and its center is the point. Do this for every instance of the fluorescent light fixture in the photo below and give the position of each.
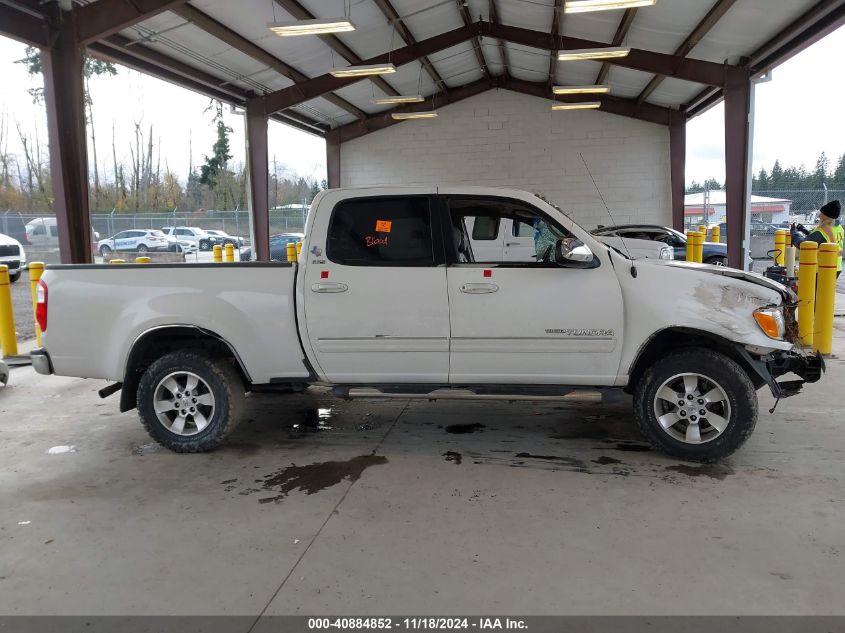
(580, 90)
(585, 6)
(587, 105)
(363, 71)
(311, 27)
(577, 54)
(404, 116)
(400, 99)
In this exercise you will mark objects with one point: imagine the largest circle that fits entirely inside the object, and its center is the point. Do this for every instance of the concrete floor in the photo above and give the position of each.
(403, 508)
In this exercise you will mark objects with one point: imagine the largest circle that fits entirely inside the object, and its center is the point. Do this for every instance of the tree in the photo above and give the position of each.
(819, 174)
(776, 179)
(220, 156)
(839, 173)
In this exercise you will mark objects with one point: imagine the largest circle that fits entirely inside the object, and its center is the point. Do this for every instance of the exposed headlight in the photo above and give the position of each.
(771, 321)
(667, 253)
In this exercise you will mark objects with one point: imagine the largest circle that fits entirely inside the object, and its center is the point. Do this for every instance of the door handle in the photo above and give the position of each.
(329, 286)
(479, 289)
(511, 243)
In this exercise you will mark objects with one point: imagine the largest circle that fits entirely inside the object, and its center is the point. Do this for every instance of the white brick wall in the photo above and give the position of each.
(507, 139)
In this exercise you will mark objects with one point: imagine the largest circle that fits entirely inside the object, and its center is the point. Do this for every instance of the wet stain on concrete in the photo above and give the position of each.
(633, 448)
(571, 462)
(713, 471)
(781, 575)
(464, 428)
(316, 477)
(452, 456)
(604, 460)
(228, 481)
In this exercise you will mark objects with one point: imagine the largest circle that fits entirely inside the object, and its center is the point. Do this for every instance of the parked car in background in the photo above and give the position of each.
(12, 224)
(278, 246)
(4, 373)
(712, 253)
(204, 240)
(224, 238)
(43, 233)
(135, 240)
(506, 239)
(12, 255)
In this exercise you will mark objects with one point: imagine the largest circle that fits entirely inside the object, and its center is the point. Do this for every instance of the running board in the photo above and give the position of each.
(575, 395)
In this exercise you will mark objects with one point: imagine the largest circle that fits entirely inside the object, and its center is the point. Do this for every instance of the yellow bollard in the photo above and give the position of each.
(218, 253)
(143, 260)
(7, 318)
(36, 269)
(690, 247)
(290, 249)
(716, 234)
(298, 249)
(780, 246)
(788, 239)
(807, 265)
(702, 228)
(117, 261)
(825, 298)
(699, 247)
(230, 253)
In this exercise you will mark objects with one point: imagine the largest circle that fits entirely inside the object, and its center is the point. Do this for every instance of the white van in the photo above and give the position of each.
(505, 239)
(43, 233)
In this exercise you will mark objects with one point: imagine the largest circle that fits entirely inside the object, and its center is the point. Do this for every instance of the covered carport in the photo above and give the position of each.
(682, 58)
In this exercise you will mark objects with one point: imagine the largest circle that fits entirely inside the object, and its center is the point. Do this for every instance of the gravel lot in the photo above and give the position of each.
(22, 304)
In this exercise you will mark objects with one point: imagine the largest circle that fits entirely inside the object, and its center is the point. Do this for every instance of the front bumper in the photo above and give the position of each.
(14, 265)
(808, 367)
(41, 361)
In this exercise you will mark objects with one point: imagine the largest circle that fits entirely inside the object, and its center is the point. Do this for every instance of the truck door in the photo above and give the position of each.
(528, 321)
(374, 288)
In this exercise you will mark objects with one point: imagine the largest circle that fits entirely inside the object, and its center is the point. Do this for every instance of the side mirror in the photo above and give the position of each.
(573, 253)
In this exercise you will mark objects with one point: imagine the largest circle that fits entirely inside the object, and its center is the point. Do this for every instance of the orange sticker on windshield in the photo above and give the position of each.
(383, 226)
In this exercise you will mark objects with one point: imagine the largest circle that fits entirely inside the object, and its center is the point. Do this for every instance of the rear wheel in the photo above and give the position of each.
(696, 404)
(189, 401)
(142, 249)
(718, 260)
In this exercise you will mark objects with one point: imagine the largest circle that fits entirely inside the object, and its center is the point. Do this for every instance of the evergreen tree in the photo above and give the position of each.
(820, 173)
(776, 179)
(839, 173)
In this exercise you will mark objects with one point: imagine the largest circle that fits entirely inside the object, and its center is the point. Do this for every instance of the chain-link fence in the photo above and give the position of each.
(804, 202)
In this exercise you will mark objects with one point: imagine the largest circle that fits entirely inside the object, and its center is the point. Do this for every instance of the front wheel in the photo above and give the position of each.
(189, 401)
(205, 245)
(717, 261)
(104, 251)
(15, 277)
(696, 404)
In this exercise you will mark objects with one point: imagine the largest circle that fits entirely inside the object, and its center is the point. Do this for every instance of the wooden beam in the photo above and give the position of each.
(301, 13)
(102, 18)
(238, 42)
(494, 17)
(621, 32)
(557, 21)
(376, 122)
(702, 28)
(737, 148)
(677, 166)
(695, 70)
(393, 17)
(23, 27)
(317, 86)
(476, 41)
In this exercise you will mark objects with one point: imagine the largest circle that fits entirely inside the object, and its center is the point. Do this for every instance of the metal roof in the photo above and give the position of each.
(443, 49)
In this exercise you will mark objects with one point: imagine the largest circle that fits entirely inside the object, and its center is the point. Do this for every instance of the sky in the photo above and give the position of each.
(799, 113)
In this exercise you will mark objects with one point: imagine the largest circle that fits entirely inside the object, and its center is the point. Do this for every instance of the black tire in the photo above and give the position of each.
(15, 277)
(717, 260)
(734, 382)
(142, 249)
(205, 245)
(223, 381)
(104, 250)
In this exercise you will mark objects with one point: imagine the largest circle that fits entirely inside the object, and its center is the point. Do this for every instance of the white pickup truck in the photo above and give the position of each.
(389, 299)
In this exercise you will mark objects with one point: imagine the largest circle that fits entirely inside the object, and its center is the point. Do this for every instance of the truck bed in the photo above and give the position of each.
(250, 305)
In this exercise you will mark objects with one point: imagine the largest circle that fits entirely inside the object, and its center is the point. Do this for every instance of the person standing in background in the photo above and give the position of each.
(829, 230)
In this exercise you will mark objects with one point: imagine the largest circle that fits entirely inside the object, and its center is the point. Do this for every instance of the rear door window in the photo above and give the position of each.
(389, 231)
